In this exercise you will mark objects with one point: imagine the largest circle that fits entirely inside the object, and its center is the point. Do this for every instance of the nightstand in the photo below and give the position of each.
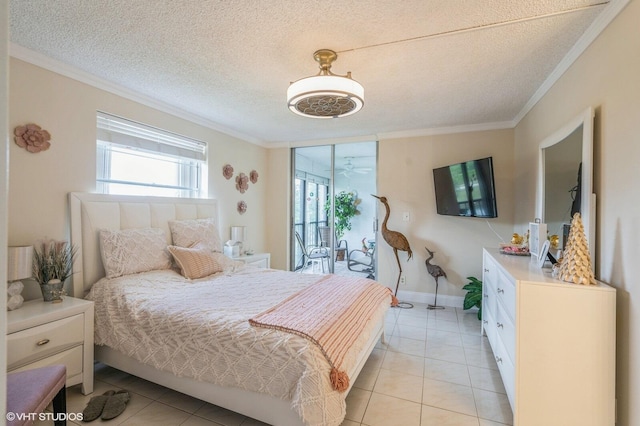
(43, 333)
(261, 260)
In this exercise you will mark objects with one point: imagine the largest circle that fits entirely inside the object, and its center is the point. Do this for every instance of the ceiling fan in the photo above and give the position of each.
(349, 168)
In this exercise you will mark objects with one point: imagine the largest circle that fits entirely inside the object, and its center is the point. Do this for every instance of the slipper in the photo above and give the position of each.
(94, 407)
(115, 405)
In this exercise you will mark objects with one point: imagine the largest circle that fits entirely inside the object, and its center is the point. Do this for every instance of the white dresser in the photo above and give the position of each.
(554, 343)
(44, 333)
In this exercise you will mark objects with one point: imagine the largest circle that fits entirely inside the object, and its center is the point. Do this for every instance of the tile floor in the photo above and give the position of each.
(434, 369)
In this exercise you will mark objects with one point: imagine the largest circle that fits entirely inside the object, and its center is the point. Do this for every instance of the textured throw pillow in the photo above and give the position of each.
(187, 233)
(129, 251)
(197, 261)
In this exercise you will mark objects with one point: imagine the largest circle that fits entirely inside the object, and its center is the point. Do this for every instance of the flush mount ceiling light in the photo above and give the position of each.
(325, 95)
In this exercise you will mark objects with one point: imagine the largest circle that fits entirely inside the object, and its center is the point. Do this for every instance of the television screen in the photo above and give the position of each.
(466, 189)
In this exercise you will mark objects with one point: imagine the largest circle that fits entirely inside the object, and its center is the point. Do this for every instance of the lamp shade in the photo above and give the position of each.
(19, 261)
(325, 96)
(239, 233)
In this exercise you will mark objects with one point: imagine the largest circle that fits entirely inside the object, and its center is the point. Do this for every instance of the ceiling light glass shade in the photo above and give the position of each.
(325, 96)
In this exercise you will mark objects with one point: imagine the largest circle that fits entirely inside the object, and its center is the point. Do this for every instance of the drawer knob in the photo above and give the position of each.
(486, 270)
(499, 325)
(500, 290)
(498, 359)
(43, 342)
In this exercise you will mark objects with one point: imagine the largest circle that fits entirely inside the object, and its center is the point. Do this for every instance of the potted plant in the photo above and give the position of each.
(474, 295)
(346, 207)
(52, 265)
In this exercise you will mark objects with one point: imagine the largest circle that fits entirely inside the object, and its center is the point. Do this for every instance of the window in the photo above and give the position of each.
(136, 159)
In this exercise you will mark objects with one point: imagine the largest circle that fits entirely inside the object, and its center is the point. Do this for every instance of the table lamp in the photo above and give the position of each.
(239, 234)
(19, 261)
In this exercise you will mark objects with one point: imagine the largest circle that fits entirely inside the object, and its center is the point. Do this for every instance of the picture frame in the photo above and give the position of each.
(537, 236)
(543, 253)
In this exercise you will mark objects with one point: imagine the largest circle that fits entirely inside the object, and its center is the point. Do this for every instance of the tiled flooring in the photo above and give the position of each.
(433, 370)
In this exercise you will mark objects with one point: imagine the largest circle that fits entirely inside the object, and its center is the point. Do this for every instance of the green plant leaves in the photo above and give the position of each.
(474, 295)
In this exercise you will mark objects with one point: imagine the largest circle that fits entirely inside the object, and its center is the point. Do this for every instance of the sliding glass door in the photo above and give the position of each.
(334, 181)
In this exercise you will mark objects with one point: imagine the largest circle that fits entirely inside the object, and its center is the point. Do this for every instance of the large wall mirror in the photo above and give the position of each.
(565, 179)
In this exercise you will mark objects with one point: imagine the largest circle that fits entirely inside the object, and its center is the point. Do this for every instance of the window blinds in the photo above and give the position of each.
(125, 133)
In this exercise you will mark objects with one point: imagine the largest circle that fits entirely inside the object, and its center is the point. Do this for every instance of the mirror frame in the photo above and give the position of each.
(588, 201)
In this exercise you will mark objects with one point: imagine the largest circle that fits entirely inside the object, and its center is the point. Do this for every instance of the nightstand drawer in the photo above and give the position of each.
(32, 344)
(71, 358)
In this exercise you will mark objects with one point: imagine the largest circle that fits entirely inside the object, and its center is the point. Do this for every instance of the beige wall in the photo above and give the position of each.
(605, 77)
(405, 177)
(4, 185)
(39, 183)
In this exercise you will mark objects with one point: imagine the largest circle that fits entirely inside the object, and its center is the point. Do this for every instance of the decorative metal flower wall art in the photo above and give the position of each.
(253, 176)
(242, 207)
(227, 171)
(32, 138)
(242, 183)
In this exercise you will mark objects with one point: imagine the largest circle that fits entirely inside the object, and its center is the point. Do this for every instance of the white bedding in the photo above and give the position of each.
(199, 329)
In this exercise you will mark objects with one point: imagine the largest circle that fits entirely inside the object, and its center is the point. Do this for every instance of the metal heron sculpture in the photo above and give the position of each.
(435, 271)
(397, 241)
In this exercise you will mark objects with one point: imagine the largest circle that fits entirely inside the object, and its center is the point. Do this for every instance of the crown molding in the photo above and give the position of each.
(597, 26)
(43, 61)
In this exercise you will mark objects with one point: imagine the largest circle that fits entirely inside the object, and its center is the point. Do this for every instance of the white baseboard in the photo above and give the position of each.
(428, 298)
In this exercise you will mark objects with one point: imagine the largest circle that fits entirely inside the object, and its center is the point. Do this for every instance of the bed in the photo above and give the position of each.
(210, 336)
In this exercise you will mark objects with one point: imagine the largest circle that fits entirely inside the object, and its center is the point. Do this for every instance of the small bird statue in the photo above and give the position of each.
(435, 271)
(395, 239)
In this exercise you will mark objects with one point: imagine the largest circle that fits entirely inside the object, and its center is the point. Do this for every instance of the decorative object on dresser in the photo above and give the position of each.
(576, 261)
(537, 235)
(52, 265)
(397, 241)
(32, 138)
(435, 271)
(19, 266)
(554, 343)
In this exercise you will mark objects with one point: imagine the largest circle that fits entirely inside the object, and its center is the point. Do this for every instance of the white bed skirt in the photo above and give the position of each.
(263, 407)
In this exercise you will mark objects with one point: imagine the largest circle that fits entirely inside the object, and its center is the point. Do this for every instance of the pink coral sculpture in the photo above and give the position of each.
(32, 137)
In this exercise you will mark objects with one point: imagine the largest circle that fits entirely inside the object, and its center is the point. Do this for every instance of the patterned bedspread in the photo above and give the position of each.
(200, 329)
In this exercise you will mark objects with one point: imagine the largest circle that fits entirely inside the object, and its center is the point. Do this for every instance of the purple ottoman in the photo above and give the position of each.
(30, 392)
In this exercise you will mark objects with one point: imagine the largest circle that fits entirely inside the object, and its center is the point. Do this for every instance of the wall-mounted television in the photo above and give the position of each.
(466, 189)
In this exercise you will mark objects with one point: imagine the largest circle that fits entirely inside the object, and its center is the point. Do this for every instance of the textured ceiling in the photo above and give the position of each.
(424, 64)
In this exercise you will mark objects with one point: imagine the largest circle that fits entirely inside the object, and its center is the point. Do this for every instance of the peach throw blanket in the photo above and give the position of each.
(331, 313)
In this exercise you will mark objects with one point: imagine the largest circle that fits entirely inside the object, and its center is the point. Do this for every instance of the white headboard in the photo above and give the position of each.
(92, 212)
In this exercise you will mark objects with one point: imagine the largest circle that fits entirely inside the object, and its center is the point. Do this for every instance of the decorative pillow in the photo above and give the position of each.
(197, 261)
(187, 233)
(129, 251)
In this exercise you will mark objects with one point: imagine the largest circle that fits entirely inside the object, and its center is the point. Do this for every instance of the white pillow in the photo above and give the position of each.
(129, 251)
(188, 233)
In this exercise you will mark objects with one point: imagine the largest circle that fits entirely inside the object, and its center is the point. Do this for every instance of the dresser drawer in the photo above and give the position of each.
(32, 344)
(71, 358)
(506, 292)
(507, 371)
(506, 332)
(490, 272)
